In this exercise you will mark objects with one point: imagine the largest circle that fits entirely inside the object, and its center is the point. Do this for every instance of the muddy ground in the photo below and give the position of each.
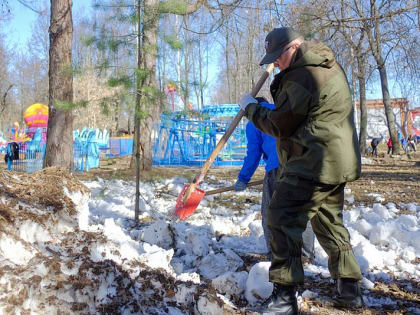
(397, 178)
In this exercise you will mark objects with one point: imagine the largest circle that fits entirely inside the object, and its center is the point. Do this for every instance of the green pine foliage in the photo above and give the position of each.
(178, 7)
(63, 105)
(121, 80)
(173, 42)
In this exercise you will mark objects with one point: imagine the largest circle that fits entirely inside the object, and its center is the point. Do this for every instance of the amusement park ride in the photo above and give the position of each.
(184, 136)
(171, 93)
(187, 137)
(25, 150)
(26, 147)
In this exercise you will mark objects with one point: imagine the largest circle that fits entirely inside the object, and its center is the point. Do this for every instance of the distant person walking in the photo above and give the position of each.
(389, 144)
(374, 144)
(411, 142)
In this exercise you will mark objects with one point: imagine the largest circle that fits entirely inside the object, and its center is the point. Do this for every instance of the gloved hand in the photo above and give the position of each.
(246, 100)
(240, 185)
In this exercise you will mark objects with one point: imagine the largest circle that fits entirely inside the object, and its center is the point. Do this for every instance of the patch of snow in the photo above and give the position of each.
(158, 233)
(232, 284)
(308, 294)
(15, 251)
(258, 287)
(214, 265)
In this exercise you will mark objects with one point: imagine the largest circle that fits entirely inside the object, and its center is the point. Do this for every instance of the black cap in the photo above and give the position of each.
(275, 42)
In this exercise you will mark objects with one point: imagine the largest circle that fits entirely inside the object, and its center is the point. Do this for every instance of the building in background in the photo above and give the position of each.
(415, 121)
(407, 121)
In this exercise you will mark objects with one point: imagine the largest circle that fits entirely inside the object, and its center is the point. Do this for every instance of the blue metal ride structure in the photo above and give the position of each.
(188, 138)
(86, 146)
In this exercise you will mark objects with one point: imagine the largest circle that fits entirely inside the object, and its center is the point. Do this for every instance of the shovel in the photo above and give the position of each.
(198, 194)
(224, 189)
(190, 196)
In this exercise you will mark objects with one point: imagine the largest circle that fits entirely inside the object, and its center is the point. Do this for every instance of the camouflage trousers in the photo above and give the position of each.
(294, 202)
(308, 236)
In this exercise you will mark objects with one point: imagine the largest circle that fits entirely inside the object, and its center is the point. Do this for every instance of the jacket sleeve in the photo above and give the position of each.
(292, 106)
(253, 153)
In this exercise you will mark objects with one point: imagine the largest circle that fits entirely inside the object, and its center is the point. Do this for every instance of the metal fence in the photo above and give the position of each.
(189, 138)
(28, 158)
(118, 147)
(179, 139)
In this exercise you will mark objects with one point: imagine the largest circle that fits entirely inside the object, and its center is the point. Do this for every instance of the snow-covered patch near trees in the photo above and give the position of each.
(84, 254)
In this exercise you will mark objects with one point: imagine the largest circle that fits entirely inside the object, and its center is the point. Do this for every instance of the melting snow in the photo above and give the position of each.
(88, 255)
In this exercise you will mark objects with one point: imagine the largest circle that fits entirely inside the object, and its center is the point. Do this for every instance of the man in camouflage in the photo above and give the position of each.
(318, 148)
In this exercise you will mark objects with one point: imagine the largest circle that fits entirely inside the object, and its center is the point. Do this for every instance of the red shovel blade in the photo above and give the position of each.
(184, 209)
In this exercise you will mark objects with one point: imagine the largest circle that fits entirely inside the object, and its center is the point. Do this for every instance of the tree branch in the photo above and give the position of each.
(3, 101)
(366, 19)
(30, 8)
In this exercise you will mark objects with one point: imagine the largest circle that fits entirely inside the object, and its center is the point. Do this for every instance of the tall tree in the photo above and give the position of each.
(326, 17)
(384, 28)
(153, 10)
(5, 85)
(146, 14)
(146, 84)
(242, 45)
(59, 151)
(376, 20)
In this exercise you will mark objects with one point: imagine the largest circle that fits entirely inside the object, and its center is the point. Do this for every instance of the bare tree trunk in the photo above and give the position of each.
(236, 77)
(200, 70)
(186, 70)
(186, 90)
(375, 43)
(363, 115)
(388, 109)
(148, 103)
(3, 103)
(361, 74)
(59, 150)
(418, 14)
(116, 121)
(144, 124)
(137, 116)
(178, 57)
(228, 67)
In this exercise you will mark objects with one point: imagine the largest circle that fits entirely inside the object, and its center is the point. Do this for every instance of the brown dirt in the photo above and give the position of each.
(43, 188)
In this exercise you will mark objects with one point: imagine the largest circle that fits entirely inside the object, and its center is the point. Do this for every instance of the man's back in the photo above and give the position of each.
(375, 142)
(313, 119)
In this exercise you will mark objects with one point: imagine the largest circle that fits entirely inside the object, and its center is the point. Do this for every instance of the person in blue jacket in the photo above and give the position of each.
(262, 145)
(374, 144)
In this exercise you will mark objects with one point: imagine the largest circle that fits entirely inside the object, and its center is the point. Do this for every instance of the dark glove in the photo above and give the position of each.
(239, 185)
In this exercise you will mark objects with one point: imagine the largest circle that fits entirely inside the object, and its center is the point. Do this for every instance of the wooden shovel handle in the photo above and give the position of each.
(223, 189)
(226, 136)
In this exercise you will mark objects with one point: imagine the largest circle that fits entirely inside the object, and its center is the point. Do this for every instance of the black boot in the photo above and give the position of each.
(348, 294)
(282, 301)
